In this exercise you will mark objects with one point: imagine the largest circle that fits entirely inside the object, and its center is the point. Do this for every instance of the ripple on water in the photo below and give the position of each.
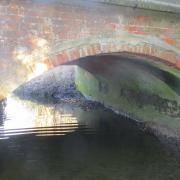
(63, 141)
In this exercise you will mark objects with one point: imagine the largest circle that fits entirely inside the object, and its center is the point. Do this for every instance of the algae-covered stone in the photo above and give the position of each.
(145, 91)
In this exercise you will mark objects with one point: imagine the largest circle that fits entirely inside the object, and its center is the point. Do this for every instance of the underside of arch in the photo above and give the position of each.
(28, 67)
(133, 86)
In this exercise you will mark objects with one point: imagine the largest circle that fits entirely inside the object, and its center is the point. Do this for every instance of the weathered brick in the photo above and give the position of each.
(58, 23)
(62, 58)
(178, 63)
(74, 54)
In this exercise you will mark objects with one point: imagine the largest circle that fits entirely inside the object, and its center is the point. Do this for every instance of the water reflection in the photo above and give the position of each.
(20, 117)
(63, 141)
(2, 105)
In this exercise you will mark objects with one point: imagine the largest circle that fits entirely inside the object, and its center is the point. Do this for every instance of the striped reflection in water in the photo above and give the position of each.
(28, 118)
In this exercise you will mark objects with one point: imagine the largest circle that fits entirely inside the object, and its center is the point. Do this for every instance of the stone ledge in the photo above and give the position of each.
(161, 5)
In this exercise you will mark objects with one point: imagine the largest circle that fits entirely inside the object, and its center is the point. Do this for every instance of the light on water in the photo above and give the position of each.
(65, 141)
(22, 118)
(18, 116)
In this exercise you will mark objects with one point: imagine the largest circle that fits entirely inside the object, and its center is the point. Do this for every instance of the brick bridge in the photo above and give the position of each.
(37, 35)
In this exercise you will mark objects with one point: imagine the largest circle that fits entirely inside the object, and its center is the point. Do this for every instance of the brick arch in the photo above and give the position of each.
(145, 49)
(66, 52)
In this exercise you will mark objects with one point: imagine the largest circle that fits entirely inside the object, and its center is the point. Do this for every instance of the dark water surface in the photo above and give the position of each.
(63, 141)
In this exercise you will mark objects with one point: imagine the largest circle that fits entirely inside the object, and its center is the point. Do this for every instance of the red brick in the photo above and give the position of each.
(178, 63)
(74, 54)
(63, 58)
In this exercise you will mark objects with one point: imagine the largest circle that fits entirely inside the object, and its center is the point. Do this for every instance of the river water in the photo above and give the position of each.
(65, 141)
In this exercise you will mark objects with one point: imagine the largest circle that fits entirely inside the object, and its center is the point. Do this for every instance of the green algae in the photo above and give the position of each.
(88, 84)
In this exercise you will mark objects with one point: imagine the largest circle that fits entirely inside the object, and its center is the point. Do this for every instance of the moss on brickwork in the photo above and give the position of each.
(169, 69)
(139, 93)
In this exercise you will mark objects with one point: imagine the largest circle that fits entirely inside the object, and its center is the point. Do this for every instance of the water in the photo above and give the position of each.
(64, 141)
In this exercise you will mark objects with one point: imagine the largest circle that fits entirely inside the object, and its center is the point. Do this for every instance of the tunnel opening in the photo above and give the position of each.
(83, 112)
(135, 86)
